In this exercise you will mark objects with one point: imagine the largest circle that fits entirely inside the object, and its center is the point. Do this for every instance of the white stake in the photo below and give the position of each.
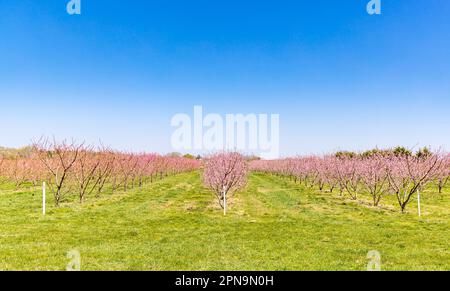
(43, 198)
(418, 202)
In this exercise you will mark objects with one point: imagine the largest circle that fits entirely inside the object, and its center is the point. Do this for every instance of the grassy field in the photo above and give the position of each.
(175, 224)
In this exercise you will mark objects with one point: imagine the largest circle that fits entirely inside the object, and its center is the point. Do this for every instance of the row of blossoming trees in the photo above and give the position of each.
(71, 168)
(398, 172)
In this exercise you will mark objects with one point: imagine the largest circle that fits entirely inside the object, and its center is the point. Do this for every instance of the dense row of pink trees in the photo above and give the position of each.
(224, 174)
(377, 173)
(72, 168)
(20, 170)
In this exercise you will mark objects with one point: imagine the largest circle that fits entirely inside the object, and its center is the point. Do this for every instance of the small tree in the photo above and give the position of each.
(105, 169)
(375, 178)
(349, 173)
(444, 174)
(408, 174)
(85, 169)
(58, 159)
(224, 174)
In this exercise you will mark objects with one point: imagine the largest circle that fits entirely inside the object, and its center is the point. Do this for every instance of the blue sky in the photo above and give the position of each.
(338, 77)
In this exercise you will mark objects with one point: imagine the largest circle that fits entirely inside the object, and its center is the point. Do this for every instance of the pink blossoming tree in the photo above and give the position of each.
(225, 173)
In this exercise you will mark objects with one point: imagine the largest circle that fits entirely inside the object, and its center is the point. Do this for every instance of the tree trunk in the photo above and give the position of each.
(224, 202)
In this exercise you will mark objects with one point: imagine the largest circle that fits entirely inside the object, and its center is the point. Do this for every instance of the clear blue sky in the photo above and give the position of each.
(339, 78)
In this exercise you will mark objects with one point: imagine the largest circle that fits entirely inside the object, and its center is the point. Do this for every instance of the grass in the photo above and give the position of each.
(175, 224)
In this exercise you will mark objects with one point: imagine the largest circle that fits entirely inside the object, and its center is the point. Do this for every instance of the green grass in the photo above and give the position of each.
(175, 224)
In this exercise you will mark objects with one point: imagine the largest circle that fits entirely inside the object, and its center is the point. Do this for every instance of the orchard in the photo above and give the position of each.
(71, 168)
(396, 172)
(152, 211)
(75, 169)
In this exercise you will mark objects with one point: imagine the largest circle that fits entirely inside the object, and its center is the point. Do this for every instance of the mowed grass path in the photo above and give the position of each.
(175, 224)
